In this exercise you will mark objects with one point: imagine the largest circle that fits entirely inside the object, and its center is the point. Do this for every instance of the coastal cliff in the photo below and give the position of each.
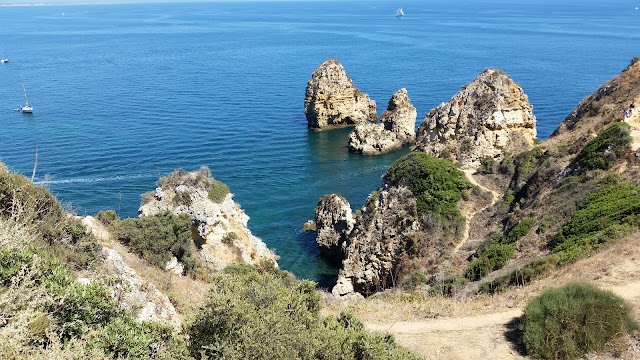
(396, 128)
(220, 223)
(408, 224)
(332, 100)
(490, 117)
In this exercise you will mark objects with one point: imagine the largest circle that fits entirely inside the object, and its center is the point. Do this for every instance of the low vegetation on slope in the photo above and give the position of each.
(265, 313)
(604, 151)
(437, 184)
(571, 321)
(45, 312)
(604, 216)
(160, 237)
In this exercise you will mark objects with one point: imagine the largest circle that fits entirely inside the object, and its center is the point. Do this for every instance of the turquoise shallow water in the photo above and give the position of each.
(124, 94)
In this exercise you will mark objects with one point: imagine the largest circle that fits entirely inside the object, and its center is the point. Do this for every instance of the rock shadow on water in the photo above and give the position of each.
(513, 335)
(327, 272)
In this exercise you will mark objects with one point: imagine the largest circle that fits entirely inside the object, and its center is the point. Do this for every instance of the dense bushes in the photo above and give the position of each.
(437, 184)
(498, 251)
(494, 257)
(25, 202)
(568, 322)
(160, 237)
(47, 314)
(606, 148)
(267, 314)
(34, 206)
(603, 216)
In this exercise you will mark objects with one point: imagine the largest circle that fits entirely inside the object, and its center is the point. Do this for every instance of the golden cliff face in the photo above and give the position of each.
(490, 117)
(332, 100)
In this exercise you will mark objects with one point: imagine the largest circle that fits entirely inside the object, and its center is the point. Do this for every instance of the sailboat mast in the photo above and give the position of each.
(24, 89)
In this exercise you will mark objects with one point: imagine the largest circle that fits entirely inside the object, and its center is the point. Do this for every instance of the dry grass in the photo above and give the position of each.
(185, 293)
(616, 268)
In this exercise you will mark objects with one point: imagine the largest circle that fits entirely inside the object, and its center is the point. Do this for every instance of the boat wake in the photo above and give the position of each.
(97, 179)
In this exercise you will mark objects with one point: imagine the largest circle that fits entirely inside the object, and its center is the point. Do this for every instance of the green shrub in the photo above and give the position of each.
(437, 184)
(599, 219)
(107, 217)
(159, 237)
(521, 229)
(448, 286)
(218, 192)
(487, 165)
(416, 279)
(123, 338)
(80, 308)
(267, 314)
(493, 257)
(606, 148)
(578, 318)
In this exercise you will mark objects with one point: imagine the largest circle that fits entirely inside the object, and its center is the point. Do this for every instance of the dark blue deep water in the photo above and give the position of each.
(123, 94)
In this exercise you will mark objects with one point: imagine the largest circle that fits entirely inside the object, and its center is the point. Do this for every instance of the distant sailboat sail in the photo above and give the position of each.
(399, 13)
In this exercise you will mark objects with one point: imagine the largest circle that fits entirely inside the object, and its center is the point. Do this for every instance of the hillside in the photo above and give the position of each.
(448, 259)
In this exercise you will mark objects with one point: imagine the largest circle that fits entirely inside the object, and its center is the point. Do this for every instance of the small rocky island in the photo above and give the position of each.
(396, 128)
(332, 100)
(219, 221)
(489, 117)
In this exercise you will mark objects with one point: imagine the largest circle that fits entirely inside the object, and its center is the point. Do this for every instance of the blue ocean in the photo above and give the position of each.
(124, 94)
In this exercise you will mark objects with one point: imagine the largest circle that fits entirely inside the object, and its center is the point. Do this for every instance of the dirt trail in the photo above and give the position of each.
(469, 214)
(486, 335)
(471, 337)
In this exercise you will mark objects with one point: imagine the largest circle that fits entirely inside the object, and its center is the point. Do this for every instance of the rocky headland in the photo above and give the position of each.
(332, 100)
(490, 117)
(220, 222)
(409, 223)
(396, 128)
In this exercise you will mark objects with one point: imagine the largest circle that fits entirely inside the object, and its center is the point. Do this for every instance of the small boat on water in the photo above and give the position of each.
(4, 60)
(400, 13)
(26, 108)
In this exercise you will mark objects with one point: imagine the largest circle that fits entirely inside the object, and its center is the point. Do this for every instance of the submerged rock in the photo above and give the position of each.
(489, 117)
(332, 100)
(396, 128)
(221, 225)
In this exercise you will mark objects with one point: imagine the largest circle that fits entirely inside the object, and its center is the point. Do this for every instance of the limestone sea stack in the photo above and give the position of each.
(332, 100)
(219, 221)
(396, 128)
(489, 117)
(334, 222)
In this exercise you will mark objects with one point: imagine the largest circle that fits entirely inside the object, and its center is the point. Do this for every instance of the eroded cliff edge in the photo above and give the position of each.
(490, 117)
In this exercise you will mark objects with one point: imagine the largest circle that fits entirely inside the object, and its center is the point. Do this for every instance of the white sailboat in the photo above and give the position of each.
(399, 13)
(26, 108)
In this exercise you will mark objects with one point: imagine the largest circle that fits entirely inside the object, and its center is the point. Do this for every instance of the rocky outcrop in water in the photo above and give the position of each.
(219, 221)
(489, 117)
(396, 128)
(384, 229)
(334, 222)
(332, 100)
